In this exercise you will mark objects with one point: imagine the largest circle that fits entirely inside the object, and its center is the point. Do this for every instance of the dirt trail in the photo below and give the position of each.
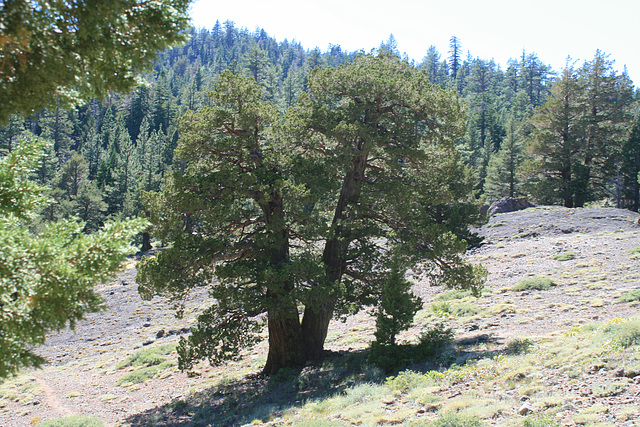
(52, 400)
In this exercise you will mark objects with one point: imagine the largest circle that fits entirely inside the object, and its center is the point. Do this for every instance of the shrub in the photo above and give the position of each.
(623, 333)
(73, 421)
(432, 345)
(539, 421)
(565, 256)
(629, 296)
(397, 307)
(407, 380)
(453, 294)
(140, 375)
(451, 419)
(538, 283)
(147, 357)
(518, 346)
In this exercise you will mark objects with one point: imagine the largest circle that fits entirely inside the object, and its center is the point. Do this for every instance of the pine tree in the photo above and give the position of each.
(255, 60)
(604, 100)
(436, 69)
(630, 159)
(502, 170)
(10, 134)
(58, 128)
(292, 87)
(140, 108)
(74, 172)
(556, 141)
(455, 55)
(161, 105)
(93, 153)
(390, 46)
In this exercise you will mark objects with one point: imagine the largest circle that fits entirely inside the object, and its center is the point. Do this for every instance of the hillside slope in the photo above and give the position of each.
(531, 354)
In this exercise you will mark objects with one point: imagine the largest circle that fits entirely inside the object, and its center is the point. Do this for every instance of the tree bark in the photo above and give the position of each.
(318, 314)
(285, 333)
(146, 242)
(285, 340)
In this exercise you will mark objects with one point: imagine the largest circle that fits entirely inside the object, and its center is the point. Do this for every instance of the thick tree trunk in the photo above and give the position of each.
(566, 191)
(285, 332)
(146, 242)
(317, 316)
(315, 325)
(285, 340)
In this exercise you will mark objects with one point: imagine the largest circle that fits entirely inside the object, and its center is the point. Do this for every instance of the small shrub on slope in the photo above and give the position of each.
(538, 283)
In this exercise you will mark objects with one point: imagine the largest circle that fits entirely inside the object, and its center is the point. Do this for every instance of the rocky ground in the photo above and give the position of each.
(96, 371)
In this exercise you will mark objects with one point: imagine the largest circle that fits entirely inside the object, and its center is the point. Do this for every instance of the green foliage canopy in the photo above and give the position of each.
(70, 50)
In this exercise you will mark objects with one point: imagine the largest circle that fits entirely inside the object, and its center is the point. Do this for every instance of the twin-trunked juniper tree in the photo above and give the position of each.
(312, 215)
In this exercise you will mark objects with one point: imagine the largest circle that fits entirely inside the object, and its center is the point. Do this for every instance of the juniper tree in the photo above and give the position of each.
(55, 54)
(301, 218)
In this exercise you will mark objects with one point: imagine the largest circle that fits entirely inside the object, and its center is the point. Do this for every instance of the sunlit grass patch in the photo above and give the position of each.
(610, 389)
(628, 413)
(21, 389)
(465, 307)
(73, 421)
(506, 306)
(451, 419)
(623, 332)
(634, 251)
(108, 397)
(361, 404)
(147, 357)
(145, 364)
(629, 296)
(564, 256)
(538, 283)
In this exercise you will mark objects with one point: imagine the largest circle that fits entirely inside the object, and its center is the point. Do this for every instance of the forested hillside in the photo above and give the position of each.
(568, 136)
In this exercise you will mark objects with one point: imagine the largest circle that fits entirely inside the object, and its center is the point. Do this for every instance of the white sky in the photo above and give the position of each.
(499, 29)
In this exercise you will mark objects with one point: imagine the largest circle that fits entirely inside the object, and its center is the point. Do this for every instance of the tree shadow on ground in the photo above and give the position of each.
(257, 397)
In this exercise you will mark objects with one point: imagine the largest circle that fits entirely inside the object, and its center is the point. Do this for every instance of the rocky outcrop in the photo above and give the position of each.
(509, 204)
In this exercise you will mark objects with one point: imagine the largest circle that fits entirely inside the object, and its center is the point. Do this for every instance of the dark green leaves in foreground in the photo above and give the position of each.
(67, 51)
(47, 279)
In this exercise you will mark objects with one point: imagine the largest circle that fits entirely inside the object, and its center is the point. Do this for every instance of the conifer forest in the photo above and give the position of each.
(104, 153)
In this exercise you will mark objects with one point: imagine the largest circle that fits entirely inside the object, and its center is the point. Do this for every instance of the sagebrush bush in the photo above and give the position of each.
(518, 346)
(565, 256)
(538, 283)
(629, 296)
(623, 333)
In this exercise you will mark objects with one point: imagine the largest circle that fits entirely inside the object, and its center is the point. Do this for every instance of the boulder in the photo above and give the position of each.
(509, 204)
